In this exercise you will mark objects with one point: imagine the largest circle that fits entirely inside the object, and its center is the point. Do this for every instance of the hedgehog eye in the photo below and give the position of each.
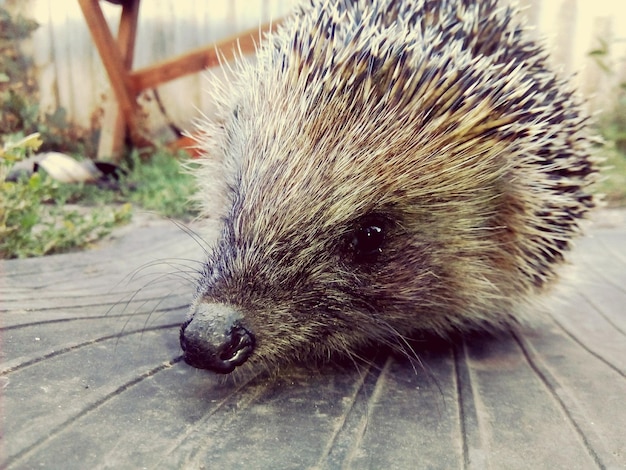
(367, 241)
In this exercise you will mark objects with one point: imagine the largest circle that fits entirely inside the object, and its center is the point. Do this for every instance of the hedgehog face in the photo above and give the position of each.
(300, 279)
(296, 300)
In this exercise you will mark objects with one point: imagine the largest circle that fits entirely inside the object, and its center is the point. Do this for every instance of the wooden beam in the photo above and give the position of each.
(111, 56)
(128, 32)
(117, 57)
(113, 131)
(199, 59)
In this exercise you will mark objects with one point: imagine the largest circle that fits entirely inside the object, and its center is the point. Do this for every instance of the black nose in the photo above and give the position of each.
(215, 339)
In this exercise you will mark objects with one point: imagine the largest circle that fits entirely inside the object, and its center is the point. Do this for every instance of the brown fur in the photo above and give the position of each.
(439, 121)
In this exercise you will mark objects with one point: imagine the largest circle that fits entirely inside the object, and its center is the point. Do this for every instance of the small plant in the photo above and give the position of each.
(35, 221)
(611, 125)
(20, 113)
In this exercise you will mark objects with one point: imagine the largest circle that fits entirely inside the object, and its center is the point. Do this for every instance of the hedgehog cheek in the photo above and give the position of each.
(215, 338)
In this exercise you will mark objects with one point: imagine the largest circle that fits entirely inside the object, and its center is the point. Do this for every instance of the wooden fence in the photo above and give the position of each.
(70, 73)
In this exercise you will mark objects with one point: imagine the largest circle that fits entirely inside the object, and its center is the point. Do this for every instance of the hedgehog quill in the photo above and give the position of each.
(386, 168)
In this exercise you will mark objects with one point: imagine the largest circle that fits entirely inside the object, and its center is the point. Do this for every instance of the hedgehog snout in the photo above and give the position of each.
(215, 338)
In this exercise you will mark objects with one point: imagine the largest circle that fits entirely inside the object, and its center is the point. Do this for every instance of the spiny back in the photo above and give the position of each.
(438, 123)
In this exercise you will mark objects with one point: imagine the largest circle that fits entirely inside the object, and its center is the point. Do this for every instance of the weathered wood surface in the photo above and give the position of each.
(91, 377)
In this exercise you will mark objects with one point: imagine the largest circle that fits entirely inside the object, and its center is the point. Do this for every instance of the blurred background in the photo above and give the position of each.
(69, 72)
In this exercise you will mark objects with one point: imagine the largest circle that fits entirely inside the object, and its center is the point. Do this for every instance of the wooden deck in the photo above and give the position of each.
(90, 377)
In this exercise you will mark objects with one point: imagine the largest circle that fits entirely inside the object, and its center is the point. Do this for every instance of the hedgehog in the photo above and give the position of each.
(384, 169)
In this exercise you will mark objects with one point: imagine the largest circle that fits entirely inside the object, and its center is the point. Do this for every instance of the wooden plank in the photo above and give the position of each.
(111, 58)
(113, 130)
(90, 372)
(199, 59)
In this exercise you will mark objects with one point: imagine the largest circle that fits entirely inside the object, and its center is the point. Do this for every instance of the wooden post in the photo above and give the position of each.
(117, 57)
(117, 62)
(113, 130)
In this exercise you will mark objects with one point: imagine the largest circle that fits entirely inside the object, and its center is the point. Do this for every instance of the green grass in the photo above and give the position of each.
(612, 184)
(161, 185)
(155, 183)
(40, 216)
(611, 125)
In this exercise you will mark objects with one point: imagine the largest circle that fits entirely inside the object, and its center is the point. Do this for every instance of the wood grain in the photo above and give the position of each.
(92, 378)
